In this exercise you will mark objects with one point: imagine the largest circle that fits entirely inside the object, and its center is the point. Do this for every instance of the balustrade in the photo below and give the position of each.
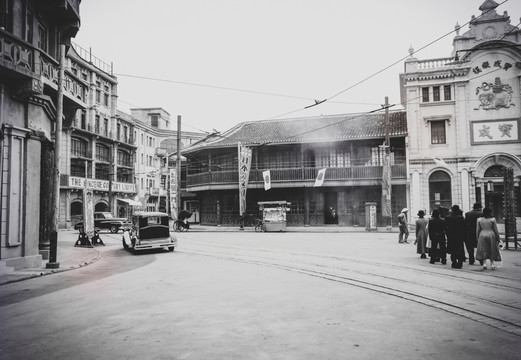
(297, 174)
(26, 59)
(434, 63)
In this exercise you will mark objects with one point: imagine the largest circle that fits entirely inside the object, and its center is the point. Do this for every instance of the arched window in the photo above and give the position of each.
(101, 206)
(124, 158)
(78, 147)
(440, 193)
(76, 212)
(102, 153)
(494, 171)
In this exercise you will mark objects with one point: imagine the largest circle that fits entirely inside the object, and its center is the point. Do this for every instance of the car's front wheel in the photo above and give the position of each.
(114, 229)
(171, 248)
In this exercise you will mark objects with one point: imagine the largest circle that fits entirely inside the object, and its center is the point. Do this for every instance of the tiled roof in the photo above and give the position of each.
(326, 128)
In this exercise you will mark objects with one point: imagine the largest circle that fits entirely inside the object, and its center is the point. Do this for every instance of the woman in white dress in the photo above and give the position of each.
(488, 241)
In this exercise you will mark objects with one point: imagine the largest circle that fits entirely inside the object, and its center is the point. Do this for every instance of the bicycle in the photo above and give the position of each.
(259, 226)
(249, 220)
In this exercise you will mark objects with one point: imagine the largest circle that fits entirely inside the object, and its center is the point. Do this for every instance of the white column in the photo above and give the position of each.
(415, 192)
(465, 196)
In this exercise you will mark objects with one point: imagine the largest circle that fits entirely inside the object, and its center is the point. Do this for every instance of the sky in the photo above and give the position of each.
(218, 63)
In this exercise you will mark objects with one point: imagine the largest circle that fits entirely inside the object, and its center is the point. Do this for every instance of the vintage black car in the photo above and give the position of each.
(105, 220)
(149, 230)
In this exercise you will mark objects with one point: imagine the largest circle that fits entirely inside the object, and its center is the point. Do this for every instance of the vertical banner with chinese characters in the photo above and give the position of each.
(173, 193)
(244, 174)
(88, 212)
(386, 187)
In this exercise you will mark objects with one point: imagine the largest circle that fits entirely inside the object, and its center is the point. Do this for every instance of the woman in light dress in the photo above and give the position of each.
(488, 241)
(421, 234)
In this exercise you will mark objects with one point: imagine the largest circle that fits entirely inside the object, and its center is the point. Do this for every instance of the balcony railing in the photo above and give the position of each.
(398, 171)
(87, 56)
(22, 57)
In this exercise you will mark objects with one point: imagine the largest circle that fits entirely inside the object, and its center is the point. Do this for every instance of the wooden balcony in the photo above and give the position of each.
(301, 174)
(25, 60)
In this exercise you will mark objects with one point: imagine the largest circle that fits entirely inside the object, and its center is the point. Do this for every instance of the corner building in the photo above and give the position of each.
(348, 146)
(31, 35)
(464, 117)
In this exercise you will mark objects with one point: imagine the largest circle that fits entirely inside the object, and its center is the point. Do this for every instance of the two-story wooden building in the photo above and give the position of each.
(32, 34)
(349, 148)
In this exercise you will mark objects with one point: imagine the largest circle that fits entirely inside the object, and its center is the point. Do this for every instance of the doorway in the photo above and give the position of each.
(330, 208)
(440, 194)
(494, 201)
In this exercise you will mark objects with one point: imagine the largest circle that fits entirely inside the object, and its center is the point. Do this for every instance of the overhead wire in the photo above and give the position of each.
(389, 66)
(367, 113)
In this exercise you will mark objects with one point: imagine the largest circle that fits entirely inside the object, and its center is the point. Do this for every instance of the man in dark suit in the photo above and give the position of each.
(471, 219)
(456, 229)
(437, 234)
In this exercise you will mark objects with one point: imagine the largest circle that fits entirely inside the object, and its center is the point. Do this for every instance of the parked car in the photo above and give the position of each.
(149, 230)
(105, 220)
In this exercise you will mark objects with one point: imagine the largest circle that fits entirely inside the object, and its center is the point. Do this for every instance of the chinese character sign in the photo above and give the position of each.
(386, 187)
(173, 193)
(244, 174)
(495, 131)
(88, 212)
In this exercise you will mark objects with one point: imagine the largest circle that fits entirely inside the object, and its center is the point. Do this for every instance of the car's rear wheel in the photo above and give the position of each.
(171, 248)
(114, 229)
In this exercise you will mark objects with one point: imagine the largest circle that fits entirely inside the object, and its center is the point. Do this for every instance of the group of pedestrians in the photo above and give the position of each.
(437, 236)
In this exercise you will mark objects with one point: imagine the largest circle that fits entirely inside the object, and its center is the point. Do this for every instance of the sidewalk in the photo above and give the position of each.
(68, 256)
(71, 257)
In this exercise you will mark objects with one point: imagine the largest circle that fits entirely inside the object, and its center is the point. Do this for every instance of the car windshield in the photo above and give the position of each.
(108, 215)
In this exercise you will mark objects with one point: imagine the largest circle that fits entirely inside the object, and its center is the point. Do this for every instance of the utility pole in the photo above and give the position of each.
(178, 164)
(386, 179)
(53, 264)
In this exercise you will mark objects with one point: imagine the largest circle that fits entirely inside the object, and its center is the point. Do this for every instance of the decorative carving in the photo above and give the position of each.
(493, 96)
(489, 32)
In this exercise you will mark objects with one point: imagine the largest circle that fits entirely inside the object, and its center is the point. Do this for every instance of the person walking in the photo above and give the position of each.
(471, 220)
(437, 233)
(403, 227)
(421, 234)
(488, 241)
(456, 230)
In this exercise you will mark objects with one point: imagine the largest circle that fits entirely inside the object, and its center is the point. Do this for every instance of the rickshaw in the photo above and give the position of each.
(182, 224)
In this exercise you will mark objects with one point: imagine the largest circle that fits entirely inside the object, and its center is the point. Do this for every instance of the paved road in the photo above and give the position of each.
(266, 296)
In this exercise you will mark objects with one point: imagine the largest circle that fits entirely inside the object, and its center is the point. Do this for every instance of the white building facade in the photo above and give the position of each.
(98, 149)
(464, 118)
(156, 136)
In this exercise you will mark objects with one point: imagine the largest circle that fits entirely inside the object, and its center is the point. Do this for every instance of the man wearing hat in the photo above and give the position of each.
(471, 219)
(456, 230)
(403, 226)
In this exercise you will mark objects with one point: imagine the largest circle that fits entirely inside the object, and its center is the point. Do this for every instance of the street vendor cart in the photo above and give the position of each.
(274, 215)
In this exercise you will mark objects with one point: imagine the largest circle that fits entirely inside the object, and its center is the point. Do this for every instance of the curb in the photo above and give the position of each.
(26, 274)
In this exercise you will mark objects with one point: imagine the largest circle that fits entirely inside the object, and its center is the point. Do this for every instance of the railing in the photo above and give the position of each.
(26, 59)
(87, 56)
(297, 174)
(434, 63)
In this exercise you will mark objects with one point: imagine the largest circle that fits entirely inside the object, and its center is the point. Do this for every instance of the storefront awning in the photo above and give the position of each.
(131, 202)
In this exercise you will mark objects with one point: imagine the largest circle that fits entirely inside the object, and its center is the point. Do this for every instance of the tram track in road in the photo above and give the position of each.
(494, 301)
